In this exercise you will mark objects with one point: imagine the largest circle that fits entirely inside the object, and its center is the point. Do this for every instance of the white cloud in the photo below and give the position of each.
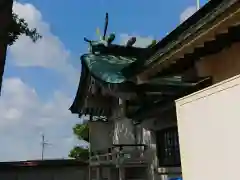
(140, 42)
(23, 116)
(48, 52)
(188, 12)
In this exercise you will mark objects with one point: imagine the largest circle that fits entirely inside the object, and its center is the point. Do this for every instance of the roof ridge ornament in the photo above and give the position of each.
(105, 40)
(105, 60)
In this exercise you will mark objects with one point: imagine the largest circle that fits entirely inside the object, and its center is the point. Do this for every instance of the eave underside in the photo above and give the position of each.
(221, 41)
(200, 22)
(82, 90)
(150, 109)
(88, 103)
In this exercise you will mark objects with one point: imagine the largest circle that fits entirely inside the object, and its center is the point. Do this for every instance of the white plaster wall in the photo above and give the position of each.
(209, 131)
(100, 135)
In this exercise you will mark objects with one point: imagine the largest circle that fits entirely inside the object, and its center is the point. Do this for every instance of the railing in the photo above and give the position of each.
(121, 155)
(108, 158)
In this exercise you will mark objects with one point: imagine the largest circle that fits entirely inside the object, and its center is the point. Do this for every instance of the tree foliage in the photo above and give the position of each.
(18, 27)
(81, 131)
(80, 153)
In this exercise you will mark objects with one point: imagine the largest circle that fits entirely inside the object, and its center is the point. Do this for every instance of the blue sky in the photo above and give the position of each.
(41, 79)
(75, 19)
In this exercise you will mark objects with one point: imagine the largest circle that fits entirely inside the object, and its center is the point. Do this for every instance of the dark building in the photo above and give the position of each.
(44, 170)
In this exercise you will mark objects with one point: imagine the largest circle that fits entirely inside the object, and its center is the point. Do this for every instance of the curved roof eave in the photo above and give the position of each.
(81, 91)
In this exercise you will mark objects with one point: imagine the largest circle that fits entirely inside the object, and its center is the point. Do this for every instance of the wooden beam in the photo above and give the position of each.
(98, 101)
(168, 102)
(221, 19)
(220, 42)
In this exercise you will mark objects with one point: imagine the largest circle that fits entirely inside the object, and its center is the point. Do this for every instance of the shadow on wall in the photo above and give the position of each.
(100, 138)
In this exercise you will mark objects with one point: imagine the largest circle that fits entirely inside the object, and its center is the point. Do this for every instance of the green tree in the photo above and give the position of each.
(10, 29)
(81, 131)
(79, 153)
(18, 27)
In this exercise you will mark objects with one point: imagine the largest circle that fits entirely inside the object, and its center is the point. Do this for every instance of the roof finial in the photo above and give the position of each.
(105, 26)
(198, 4)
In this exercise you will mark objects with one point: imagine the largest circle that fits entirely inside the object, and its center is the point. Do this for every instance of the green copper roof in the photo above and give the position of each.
(106, 61)
(107, 67)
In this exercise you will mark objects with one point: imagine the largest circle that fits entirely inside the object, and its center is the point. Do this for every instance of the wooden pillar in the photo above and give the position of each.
(121, 173)
(109, 174)
(98, 173)
(109, 158)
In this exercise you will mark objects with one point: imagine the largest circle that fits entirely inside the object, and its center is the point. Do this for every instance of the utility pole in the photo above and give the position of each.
(43, 143)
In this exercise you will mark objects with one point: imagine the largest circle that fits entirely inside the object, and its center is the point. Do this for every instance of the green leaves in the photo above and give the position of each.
(19, 27)
(82, 133)
(79, 153)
